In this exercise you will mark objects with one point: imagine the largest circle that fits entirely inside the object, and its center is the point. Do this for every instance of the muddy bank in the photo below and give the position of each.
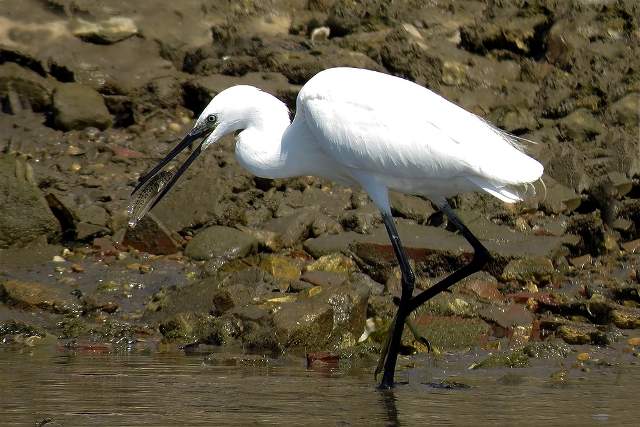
(92, 96)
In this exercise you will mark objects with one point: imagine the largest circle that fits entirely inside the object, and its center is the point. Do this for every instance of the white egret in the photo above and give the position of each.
(365, 129)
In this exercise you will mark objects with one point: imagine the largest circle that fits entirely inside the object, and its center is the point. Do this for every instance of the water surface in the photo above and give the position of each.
(67, 389)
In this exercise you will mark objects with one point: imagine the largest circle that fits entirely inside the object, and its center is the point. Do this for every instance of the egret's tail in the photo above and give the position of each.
(510, 193)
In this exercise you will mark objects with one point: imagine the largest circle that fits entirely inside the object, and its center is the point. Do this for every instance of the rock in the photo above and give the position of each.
(23, 89)
(347, 17)
(323, 278)
(322, 360)
(575, 333)
(76, 106)
(449, 304)
(220, 242)
(515, 359)
(555, 225)
(559, 198)
(484, 286)
(151, 236)
(298, 67)
(361, 220)
(194, 327)
(425, 241)
(618, 184)
(93, 214)
(24, 213)
(518, 120)
(199, 91)
(324, 224)
(626, 111)
(626, 317)
(406, 54)
(29, 295)
(536, 270)
(293, 228)
(507, 316)
(448, 333)
(547, 349)
(631, 247)
(109, 31)
(323, 318)
(361, 279)
(203, 182)
(10, 330)
(266, 239)
(219, 292)
(410, 207)
(280, 267)
(515, 32)
(335, 263)
(581, 261)
(86, 231)
(580, 126)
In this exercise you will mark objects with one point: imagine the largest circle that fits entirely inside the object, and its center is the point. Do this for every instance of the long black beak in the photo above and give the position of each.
(187, 141)
(152, 180)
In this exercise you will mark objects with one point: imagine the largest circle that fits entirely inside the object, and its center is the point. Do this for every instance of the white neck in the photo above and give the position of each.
(259, 147)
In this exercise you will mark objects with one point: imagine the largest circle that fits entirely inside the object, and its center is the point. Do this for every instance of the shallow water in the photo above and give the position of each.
(68, 389)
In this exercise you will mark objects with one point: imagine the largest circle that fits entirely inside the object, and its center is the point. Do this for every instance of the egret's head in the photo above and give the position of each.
(229, 111)
(235, 108)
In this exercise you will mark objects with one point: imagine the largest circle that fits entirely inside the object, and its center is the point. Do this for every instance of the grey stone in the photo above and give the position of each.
(24, 213)
(626, 110)
(23, 89)
(109, 31)
(559, 198)
(536, 270)
(76, 106)
(500, 240)
(580, 126)
(322, 317)
(293, 228)
(151, 236)
(410, 207)
(29, 295)
(220, 242)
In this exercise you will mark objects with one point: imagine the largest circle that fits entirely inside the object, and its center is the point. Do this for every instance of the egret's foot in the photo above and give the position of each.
(384, 351)
(418, 337)
(385, 348)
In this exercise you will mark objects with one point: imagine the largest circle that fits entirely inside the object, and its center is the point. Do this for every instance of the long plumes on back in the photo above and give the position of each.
(512, 193)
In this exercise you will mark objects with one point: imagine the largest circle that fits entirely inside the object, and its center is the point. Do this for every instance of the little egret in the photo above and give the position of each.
(365, 129)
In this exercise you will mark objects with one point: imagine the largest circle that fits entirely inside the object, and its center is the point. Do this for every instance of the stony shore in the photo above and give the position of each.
(92, 95)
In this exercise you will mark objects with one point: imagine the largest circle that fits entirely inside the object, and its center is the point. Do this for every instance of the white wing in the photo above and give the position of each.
(379, 123)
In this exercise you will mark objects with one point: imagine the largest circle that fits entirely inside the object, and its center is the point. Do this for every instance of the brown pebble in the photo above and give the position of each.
(581, 261)
(77, 268)
(583, 357)
(635, 341)
(322, 359)
(631, 247)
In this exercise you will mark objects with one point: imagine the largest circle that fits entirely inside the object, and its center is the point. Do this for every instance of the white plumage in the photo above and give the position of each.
(361, 127)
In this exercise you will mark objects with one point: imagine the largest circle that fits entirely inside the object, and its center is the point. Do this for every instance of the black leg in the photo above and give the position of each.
(408, 282)
(480, 257)
(408, 303)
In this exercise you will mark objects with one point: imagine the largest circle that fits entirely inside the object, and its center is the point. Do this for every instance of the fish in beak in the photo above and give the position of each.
(153, 185)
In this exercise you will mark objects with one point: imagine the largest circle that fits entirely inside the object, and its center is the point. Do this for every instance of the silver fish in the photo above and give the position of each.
(143, 199)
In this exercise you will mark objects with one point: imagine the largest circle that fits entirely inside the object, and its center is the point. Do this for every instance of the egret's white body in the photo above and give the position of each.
(360, 127)
(368, 129)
